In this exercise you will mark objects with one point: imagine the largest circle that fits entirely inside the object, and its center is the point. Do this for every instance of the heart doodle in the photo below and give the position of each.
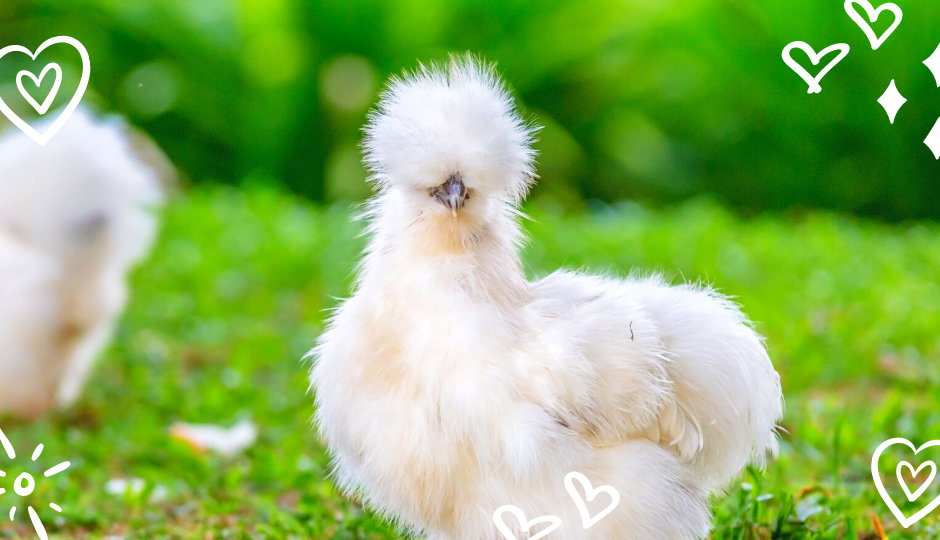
(554, 521)
(873, 16)
(42, 139)
(586, 519)
(41, 109)
(876, 476)
(919, 491)
(813, 82)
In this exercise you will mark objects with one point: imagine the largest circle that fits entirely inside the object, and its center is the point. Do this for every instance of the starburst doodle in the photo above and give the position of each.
(25, 484)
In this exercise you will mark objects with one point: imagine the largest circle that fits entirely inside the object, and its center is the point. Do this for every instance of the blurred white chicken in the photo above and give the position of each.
(74, 216)
(449, 385)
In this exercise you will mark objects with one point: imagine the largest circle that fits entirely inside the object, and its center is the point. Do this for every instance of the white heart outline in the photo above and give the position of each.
(526, 525)
(873, 15)
(44, 108)
(73, 104)
(905, 522)
(813, 82)
(919, 491)
(586, 520)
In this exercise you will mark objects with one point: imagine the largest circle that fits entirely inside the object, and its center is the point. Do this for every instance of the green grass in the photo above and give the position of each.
(236, 291)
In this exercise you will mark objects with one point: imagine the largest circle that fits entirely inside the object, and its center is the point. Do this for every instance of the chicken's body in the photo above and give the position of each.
(74, 216)
(449, 385)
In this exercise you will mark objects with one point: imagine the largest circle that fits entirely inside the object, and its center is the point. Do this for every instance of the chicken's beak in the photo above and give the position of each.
(452, 194)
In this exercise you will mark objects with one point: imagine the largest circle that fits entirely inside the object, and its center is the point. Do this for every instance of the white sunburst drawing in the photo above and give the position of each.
(25, 484)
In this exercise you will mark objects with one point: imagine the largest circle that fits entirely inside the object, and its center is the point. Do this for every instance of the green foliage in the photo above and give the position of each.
(238, 288)
(652, 101)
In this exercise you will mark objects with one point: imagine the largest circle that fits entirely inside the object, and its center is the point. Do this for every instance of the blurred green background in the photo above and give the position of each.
(652, 101)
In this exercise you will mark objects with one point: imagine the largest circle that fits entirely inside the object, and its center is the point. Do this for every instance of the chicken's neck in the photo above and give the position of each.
(447, 255)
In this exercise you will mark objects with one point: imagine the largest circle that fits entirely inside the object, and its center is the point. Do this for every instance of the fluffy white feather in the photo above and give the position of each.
(74, 216)
(448, 385)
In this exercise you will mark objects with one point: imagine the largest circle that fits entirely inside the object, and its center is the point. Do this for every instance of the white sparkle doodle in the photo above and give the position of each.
(933, 138)
(892, 101)
(25, 484)
(933, 64)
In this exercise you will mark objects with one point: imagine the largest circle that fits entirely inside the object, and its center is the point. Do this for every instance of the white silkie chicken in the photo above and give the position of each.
(75, 214)
(448, 385)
